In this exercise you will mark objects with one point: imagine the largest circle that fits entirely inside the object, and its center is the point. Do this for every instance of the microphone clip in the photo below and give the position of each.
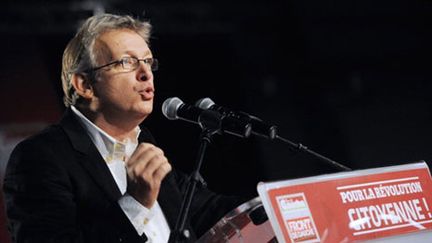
(210, 122)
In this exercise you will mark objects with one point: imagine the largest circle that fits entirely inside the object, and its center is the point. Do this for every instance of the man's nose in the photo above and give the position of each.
(144, 72)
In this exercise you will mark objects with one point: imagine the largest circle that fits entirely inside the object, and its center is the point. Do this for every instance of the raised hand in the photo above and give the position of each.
(146, 168)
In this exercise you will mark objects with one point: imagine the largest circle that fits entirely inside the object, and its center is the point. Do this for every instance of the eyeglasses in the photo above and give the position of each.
(132, 63)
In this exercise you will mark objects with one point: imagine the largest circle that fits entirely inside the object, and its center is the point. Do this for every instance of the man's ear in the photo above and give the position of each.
(82, 85)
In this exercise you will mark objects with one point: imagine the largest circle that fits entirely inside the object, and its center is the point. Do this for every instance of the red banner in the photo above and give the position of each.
(352, 206)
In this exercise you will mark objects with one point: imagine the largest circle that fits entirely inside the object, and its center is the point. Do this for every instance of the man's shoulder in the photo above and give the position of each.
(39, 150)
(49, 139)
(49, 135)
(52, 135)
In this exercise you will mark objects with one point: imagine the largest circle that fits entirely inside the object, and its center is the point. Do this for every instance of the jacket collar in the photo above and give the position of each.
(88, 155)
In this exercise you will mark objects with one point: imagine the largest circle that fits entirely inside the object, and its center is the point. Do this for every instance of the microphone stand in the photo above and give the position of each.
(302, 148)
(210, 122)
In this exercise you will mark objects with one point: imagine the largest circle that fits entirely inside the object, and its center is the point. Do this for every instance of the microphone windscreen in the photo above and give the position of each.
(170, 107)
(204, 103)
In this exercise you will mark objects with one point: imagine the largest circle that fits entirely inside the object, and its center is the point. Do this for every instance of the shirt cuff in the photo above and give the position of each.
(138, 215)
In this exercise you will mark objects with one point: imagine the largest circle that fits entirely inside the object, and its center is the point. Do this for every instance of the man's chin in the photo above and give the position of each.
(145, 112)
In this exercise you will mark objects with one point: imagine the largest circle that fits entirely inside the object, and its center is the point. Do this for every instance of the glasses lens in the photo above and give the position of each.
(132, 63)
(129, 63)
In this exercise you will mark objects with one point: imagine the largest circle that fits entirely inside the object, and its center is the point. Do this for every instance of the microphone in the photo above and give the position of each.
(174, 108)
(259, 128)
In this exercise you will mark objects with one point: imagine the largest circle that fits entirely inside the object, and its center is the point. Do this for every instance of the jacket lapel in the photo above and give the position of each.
(88, 155)
(170, 200)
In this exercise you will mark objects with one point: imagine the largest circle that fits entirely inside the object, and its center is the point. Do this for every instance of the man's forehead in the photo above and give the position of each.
(123, 40)
(119, 36)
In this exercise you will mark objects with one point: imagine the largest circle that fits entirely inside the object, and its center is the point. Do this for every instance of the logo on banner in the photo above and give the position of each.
(298, 218)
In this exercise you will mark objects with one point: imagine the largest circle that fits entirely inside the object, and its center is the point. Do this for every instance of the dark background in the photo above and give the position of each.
(349, 79)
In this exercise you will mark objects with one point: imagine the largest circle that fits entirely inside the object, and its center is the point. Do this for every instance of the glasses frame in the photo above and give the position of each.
(153, 62)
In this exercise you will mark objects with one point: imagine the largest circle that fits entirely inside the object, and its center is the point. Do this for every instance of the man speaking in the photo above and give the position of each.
(97, 176)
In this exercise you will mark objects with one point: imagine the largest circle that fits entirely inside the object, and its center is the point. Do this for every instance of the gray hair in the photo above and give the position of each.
(80, 53)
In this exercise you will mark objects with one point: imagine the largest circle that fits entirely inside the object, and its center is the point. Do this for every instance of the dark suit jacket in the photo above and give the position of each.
(58, 189)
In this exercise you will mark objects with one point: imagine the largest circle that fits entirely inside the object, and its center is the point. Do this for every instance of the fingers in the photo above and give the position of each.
(162, 171)
(143, 152)
(148, 163)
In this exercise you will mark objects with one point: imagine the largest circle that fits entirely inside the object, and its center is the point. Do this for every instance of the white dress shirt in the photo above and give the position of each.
(151, 221)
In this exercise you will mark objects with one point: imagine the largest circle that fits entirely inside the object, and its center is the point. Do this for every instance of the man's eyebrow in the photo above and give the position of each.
(134, 53)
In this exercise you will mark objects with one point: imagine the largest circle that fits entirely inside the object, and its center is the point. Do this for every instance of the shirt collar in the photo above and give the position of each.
(109, 147)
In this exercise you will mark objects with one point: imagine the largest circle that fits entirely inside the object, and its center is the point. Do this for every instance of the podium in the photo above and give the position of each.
(388, 204)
